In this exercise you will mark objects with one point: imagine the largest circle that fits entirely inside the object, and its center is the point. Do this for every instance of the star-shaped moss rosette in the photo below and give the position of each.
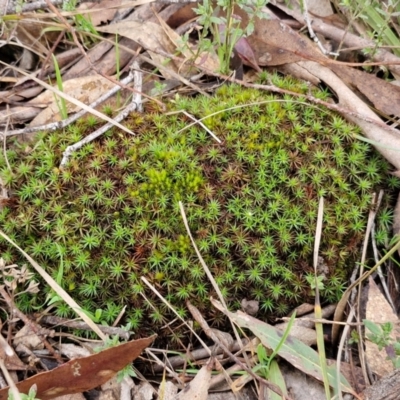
(112, 215)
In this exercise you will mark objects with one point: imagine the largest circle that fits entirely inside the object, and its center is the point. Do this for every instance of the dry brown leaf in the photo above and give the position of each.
(269, 55)
(27, 337)
(103, 53)
(197, 389)
(208, 60)
(274, 43)
(149, 35)
(96, 55)
(75, 396)
(180, 15)
(82, 374)
(246, 53)
(103, 13)
(379, 311)
(383, 95)
(11, 360)
(322, 8)
(19, 114)
(71, 350)
(86, 89)
(160, 39)
(30, 32)
(303, 309)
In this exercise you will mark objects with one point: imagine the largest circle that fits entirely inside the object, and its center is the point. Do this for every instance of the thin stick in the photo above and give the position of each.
(120, 117)
(209, 275)
(198, 122)
(312, 34)
(341, 345)
(11, 384)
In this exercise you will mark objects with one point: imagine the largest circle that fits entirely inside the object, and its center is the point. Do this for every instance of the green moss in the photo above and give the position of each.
(251, 204)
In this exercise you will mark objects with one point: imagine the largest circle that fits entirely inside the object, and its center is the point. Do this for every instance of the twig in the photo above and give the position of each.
(341, 345)
(198, 122)
(120, 117)
(312, 34)
(77, 324)
(4, 141)
(163, 367)
(27, 7)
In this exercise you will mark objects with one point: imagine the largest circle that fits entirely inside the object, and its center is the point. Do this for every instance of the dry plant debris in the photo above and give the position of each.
(82, 374)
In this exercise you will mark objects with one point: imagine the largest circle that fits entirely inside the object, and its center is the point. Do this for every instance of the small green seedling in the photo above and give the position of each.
(266, 359)
(30, 396)
(226, 30)
(83, 23)
(380, 334)
(52, 297)
(315, 281)
(127, 371)
(354, 337)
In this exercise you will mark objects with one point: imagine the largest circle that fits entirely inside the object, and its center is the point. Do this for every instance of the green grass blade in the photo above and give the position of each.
(62, 105)
(275, 376)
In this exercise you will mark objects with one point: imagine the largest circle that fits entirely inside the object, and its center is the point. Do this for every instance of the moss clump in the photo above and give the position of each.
(112, 215)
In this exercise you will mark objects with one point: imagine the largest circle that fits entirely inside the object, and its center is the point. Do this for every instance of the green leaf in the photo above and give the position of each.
(216, 20)
(262, 354)
(53, 299)
(275, 376)
(372, 327)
